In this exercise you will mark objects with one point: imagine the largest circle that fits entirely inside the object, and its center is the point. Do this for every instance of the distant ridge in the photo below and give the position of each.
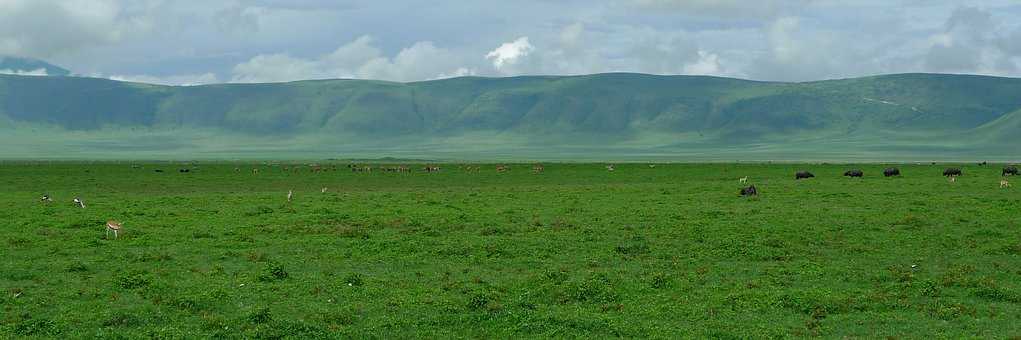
(612, 116)
(29, 66)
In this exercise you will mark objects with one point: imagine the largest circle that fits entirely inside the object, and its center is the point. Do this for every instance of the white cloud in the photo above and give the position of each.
(359, 59)
(509, 53)
(182, 80)
(36, 72)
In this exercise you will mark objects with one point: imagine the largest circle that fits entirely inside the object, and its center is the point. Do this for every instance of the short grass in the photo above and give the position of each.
(576, 251)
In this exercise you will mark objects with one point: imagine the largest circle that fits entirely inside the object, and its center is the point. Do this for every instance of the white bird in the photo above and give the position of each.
(290, 194)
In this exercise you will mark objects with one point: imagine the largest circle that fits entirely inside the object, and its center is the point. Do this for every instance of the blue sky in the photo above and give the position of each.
(194, 42)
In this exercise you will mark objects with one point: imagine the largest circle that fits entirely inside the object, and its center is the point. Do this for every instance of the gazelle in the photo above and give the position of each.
(538, 168)
(324, 190)
(46, 198)
(79, 202)
(113, 226)
(743, 180)
(609, 167)
(953, 179)
(1004, 183)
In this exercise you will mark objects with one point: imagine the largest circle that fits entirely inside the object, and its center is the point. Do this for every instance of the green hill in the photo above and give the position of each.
(604, 116)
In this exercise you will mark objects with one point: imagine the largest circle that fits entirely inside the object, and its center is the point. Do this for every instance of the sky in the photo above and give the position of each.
(187, 42)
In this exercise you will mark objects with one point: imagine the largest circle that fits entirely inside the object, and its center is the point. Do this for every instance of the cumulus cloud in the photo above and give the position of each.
(49, 27)
(359, 59)
(972, 41)
(181, 80)
(506, 55)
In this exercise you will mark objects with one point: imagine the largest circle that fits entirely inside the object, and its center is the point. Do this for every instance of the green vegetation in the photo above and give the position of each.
(593, 117)
(576, 251)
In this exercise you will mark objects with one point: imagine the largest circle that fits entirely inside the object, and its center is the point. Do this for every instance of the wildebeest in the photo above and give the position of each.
(749, 191)
(854, 173)
(184, 170)
(158, 170)
(803, 174)
(890, 172)
(952, 172)
(1010, 171)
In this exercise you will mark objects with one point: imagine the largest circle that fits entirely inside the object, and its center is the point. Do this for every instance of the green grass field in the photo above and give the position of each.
(576, 251)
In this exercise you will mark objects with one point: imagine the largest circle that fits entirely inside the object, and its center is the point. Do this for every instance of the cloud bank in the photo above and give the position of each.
(197, 42)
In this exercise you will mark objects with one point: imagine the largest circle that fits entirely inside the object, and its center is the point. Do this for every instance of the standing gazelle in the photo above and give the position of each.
(113, 226)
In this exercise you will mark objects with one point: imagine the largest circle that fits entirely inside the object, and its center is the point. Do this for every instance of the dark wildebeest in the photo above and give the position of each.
(749, 191)
(890, 172)
(854, 173)
(1010, 171)
(803, 174)
(158, 170)
(184, 170)
(949, 172)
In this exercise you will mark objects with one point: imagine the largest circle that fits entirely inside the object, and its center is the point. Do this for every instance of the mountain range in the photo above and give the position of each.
(616, 116)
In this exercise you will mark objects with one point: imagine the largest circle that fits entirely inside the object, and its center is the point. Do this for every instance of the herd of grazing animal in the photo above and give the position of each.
(952, 174)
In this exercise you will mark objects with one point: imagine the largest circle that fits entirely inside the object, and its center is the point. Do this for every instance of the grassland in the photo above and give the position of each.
(577, 251)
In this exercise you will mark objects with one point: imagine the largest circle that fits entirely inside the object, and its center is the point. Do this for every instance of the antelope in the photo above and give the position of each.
(652, 166)
(953, 179)
(1004, 183)
(79, 202)
(324, 190)
(46, 198)
(538, 168)
(237, 169)
(113, 226)
(502, 168)
(743, 179)
(290, 194)
(609, 167)
(255, 171)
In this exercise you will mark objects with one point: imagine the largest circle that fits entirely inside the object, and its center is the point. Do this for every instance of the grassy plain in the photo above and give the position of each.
(576, 251)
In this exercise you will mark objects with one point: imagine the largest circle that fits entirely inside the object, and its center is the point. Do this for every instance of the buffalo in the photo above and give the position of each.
(803, 174)
(889, 172)
(950, 172)
(1010, 171)
(749, 191)
(854, 173)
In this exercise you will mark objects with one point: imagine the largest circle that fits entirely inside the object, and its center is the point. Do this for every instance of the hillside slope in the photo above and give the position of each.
(594, 116)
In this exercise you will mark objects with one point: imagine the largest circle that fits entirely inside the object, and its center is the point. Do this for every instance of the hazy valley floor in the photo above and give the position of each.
(575, 251)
